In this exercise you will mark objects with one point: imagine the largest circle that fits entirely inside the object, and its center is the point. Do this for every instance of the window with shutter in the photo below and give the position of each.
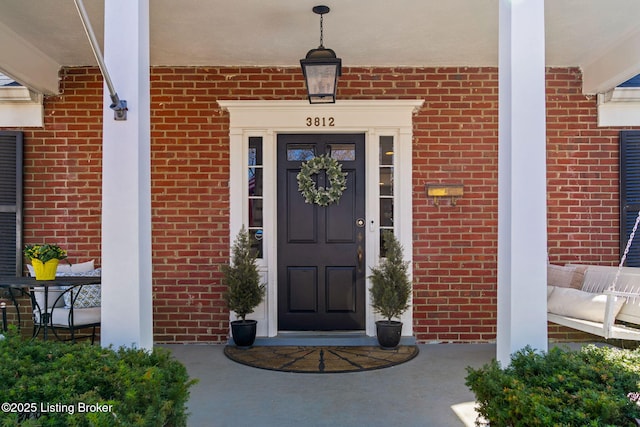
(10, 203)
(629, 193)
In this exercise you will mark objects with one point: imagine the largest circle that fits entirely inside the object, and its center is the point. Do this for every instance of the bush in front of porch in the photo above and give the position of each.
(52, 383)
(596, 386)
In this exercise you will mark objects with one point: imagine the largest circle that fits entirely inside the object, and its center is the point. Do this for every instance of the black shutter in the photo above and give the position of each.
(10, 203)
(629, 193)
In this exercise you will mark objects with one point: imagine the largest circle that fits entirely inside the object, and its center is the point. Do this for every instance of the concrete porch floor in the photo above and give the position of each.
(426, 391)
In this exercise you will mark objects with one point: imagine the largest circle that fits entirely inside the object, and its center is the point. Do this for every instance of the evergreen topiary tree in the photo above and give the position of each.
(391, 288)
(244, 290)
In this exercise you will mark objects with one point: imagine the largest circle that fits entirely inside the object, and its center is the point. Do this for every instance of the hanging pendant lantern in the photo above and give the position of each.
(321, 69)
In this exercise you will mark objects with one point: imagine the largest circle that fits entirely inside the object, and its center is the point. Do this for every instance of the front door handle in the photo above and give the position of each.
(360, 258)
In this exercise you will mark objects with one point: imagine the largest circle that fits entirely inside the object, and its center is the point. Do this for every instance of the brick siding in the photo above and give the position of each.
(455, 140)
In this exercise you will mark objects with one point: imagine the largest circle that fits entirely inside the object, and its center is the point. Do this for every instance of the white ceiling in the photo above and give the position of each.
(595, 35)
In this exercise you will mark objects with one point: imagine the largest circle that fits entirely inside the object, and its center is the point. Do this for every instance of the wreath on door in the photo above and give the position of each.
(320, 195)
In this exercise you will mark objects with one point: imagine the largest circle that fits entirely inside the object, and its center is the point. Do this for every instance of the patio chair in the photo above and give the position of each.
(71, 309)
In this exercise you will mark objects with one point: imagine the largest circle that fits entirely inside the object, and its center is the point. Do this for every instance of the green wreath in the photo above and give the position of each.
(337, 179)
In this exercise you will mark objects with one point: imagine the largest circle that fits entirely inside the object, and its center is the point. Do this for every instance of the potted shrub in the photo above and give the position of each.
(244, 290)
(390, 291)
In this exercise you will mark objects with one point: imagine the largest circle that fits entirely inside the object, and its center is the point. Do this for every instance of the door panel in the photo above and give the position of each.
(341, 292)
(303, 289)
(340, 228)
(299, 231)
(321, 274)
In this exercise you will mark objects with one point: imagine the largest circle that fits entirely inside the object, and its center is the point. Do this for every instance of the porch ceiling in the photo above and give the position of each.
(37, 37)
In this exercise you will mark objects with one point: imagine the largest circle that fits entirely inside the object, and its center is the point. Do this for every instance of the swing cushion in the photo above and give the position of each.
(580, 305)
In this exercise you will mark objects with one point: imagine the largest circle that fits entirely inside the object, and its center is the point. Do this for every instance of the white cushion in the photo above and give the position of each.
(53, 293)
(631, 311)
(52, 301)
(549, 291)
(85, 316)
(580, 305)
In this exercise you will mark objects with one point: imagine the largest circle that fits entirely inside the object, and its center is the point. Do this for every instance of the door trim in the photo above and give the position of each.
(268, 118)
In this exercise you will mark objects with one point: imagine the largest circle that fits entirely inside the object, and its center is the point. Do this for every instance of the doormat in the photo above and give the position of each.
(323, 359)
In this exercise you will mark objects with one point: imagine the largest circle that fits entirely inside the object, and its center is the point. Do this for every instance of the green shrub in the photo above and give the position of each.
(390, 284)
(590, 387)
(55, 384)
(244, 290)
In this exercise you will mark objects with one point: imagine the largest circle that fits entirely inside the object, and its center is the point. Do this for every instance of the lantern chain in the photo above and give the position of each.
(321, 31)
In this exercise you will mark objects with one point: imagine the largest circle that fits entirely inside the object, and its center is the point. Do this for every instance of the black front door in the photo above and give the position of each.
(321, 260)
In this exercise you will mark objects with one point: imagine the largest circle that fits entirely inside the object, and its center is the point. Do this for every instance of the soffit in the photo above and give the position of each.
(362, 32)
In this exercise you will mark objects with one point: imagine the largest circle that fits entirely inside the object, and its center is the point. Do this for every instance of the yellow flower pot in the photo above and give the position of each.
(46, 270)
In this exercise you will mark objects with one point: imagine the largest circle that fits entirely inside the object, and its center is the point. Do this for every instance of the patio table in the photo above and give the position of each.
(25, 286)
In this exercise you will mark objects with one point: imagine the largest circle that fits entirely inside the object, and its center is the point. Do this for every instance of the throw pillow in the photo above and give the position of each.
(63, 267)
(565, 276)
(578, 276)
(580, 305)
(83, 267)
(88, 296)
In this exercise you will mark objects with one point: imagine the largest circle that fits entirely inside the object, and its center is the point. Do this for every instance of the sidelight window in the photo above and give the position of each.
(256, 194)
(386, 162)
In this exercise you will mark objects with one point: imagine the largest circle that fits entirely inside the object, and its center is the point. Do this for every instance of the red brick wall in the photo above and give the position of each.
(455, 247)
(455, 140)
(62, 169)
(583, 166)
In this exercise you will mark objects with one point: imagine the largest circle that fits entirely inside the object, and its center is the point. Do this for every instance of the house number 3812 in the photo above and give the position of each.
(320, 121)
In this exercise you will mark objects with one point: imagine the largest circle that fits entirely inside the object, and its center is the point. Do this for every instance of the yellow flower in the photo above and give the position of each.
(44, 252)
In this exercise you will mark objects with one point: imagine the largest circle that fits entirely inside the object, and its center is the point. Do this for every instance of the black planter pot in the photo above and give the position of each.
(389, 334)
(243, 332)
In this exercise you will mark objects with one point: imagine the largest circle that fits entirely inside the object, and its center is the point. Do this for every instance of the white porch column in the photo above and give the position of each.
(126, 181)
(522, 231)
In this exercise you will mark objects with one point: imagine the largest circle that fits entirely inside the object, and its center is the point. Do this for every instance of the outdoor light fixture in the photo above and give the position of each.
(321, 69)
(451, 191)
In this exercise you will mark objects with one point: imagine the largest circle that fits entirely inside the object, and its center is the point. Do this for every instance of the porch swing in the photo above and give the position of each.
(606, 305)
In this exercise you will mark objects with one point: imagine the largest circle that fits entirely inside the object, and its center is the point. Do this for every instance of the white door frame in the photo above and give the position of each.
(266, 119)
